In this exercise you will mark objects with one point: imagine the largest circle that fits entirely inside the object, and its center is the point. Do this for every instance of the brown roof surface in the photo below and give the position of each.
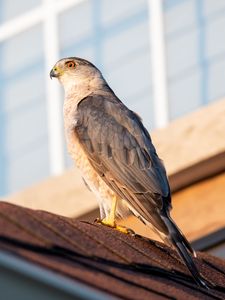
(121, 265)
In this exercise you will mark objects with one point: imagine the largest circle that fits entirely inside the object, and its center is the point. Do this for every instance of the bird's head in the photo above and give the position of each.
(77, 73)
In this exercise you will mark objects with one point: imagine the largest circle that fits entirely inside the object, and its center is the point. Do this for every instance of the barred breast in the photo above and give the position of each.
(103, 193)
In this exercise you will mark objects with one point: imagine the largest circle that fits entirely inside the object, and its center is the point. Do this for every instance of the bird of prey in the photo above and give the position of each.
(114, 152)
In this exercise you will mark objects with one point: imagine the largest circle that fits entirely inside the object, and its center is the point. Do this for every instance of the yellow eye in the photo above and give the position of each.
(70, 64)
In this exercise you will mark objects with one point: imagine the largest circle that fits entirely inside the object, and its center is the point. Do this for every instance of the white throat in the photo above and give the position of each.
(77, 88)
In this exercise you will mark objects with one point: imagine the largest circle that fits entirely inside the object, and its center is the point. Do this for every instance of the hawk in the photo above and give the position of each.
(114, 152)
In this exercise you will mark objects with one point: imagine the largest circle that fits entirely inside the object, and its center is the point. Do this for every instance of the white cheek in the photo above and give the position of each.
(68, 82)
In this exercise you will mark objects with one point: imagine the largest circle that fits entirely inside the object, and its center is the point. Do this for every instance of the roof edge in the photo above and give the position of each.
(45, 281)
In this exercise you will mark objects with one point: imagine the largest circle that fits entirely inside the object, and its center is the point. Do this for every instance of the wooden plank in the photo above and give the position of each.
(197, 172)
(200, 209)
(192, 138)
(65, 195)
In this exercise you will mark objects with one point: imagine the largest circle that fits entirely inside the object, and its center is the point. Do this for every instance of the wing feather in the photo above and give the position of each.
(120, 150)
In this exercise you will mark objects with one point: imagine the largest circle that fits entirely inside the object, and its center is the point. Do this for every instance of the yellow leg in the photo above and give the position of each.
(110, 220)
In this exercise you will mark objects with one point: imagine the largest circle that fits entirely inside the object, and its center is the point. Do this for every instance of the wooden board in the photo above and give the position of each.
(66, 195)
(192, 138)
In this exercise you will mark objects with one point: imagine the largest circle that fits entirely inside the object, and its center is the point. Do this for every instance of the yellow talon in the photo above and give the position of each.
(106, 222)
(122, 229)
(110, 220)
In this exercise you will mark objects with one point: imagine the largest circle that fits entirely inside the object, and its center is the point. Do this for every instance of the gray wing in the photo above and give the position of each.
(120, 150)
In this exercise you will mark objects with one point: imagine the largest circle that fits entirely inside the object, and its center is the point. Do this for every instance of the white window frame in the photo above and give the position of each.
(158, 61)
(47, 14)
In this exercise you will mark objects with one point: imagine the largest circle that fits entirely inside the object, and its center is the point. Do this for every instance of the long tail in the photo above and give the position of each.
(184, 249)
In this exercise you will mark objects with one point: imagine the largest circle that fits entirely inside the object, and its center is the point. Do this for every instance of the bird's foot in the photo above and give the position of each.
(125, 230)
(113, 224)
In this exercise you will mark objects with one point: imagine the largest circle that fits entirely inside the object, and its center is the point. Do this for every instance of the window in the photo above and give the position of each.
(159, 72)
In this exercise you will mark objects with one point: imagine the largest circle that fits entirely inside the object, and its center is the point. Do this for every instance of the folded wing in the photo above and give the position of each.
(120, 150)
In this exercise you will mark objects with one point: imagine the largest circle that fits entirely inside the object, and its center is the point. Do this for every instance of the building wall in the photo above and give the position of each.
(114, 35)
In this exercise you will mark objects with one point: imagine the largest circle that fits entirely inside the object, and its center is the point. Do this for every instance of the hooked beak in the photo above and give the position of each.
(52, 73)
(55, 72)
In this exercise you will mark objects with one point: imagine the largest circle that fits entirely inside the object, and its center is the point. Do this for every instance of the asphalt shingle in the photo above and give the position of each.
(124, 266)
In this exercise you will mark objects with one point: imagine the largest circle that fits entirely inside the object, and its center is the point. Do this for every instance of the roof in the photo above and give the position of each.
(120, 265)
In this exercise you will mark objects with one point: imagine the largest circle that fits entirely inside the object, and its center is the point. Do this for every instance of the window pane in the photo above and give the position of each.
(117, 10)
(195, 49)
(11, 8)
(23, 135)
(75, 24)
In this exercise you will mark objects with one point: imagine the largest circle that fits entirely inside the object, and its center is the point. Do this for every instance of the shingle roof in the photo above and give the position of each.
(121, 265)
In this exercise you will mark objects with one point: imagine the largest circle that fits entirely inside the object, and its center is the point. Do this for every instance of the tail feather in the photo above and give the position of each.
(184, 249)
(176, 232)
